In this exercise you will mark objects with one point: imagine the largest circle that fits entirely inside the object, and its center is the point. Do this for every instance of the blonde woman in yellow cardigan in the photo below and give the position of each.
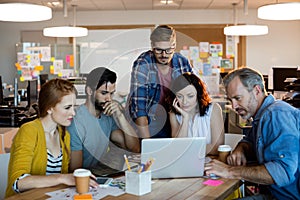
(40, 153)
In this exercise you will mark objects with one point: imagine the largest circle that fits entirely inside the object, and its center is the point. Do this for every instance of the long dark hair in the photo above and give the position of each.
(185, 80)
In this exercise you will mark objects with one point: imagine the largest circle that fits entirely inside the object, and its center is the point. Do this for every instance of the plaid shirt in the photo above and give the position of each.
(145, 87)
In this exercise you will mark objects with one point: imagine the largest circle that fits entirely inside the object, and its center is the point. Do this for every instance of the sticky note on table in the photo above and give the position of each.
(83, 197)
(213, 182)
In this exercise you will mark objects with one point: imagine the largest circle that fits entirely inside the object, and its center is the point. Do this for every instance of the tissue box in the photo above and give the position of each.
(138, 183)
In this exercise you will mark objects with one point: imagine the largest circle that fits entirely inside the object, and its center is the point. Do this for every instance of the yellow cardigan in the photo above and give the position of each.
(28, 153)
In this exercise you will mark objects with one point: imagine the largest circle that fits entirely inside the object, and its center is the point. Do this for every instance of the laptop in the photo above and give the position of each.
(102, 170)
(175, 157)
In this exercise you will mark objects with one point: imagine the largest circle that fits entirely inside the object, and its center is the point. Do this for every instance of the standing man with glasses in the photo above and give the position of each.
(151, 76)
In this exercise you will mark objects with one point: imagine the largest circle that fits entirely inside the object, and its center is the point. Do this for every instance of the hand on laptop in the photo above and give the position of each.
(217, 168)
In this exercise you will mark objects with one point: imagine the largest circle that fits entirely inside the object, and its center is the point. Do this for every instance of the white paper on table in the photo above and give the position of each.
(97, 193)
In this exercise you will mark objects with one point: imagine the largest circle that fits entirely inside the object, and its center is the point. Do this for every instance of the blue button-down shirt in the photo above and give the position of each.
(275, 138)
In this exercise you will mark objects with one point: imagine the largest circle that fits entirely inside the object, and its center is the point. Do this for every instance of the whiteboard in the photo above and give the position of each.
(115, 49)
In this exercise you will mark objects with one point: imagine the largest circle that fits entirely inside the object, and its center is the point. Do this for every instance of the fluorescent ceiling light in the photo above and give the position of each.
(246, 30)
(65, 31)
(23, 12)
(280, 11)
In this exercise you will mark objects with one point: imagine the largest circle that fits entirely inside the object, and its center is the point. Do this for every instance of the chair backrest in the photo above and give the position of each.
(232, 139)
(4, 160)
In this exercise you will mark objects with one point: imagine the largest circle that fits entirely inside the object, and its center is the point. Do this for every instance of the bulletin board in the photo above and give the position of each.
(211, 33)
(56, 60)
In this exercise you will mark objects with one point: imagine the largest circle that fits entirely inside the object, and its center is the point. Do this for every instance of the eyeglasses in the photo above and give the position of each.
(167, 51)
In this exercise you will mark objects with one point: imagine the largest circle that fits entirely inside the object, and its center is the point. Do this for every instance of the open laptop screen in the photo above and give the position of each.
(175, 157)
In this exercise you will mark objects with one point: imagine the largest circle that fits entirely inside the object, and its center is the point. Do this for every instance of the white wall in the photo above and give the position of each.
(280, 47)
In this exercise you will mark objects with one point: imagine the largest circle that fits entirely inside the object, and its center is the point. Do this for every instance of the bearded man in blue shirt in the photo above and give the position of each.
(273, 139)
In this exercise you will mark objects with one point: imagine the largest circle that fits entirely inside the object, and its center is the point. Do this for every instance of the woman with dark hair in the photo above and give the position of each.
(193, 114)
(40, 153)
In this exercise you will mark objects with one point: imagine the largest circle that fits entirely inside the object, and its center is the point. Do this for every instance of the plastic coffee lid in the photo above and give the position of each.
(224, 148)
(82, 173)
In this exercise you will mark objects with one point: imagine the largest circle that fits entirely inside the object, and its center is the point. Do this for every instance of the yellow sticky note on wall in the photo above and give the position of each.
(39, 68)
(18, 66)
(71, 61)
(203, 54)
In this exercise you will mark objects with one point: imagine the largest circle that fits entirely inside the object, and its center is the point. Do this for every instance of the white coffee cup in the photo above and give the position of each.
(82, 180)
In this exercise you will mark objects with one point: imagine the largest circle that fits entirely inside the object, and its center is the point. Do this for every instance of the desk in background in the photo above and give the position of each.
(6, 137)
(181, 188)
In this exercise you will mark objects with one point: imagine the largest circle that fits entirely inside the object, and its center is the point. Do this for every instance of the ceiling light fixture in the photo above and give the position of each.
(166, 1)
(280, 11)
(244, 30)
(24, 12)
(66, 31)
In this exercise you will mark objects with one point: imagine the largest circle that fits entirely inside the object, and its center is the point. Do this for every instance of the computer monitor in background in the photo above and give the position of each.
(266, 80)
(279, 76)
(32, 92)
(1, 92)
(43, 78)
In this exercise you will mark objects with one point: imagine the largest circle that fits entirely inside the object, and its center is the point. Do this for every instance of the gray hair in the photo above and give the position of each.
(163, 33)
(248, 76)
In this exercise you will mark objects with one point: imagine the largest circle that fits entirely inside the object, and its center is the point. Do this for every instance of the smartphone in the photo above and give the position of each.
(103, 181)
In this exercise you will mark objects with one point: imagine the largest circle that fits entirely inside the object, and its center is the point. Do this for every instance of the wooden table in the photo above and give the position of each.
(181, 188)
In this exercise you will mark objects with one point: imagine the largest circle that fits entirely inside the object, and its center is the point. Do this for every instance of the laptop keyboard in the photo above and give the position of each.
(104, 170)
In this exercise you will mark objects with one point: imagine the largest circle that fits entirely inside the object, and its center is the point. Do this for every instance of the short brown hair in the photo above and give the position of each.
(163, 33)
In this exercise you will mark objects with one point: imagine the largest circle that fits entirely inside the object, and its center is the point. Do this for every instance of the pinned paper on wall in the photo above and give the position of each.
(198, 67)
(45, 54)
(39, 68)
(34, 60)
(58, 66)
(26, 73)
(215, 61)
(18, 66)
(194, 52)
(185, 53)
(204, 54)
(22, 58)
(226, 63)
(51, 69)
(65, 73)
(204, 47)
(216, 48)
(67, 58)
(71, 61)
(230, 46)
(207, 70)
